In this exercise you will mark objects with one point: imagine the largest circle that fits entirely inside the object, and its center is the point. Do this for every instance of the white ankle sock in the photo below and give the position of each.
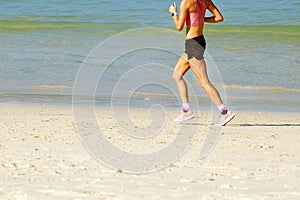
(222, 108)
(185, 106)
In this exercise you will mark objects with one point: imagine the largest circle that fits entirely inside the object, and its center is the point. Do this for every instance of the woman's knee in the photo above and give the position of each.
(177, 77)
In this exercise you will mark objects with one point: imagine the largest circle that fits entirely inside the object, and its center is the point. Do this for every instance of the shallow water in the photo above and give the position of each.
(43, 44)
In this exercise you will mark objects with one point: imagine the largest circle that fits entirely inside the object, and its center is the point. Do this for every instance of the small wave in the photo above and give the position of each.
(266, 88)
(150, 94)
(262, 30)
(82, 28)
(55, 87)
(238, 48)
(23, 24)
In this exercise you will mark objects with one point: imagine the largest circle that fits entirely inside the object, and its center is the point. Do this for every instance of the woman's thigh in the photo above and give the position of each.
(182, 66)
(199, 69)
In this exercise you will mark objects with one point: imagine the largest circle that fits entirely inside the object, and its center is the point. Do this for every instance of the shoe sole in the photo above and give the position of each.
(188, 118)
(228, 119)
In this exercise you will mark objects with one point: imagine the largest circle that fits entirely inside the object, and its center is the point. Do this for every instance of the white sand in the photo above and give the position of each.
(42, 157)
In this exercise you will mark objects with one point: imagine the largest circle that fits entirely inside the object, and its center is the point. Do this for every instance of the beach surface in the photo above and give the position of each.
(42, 157)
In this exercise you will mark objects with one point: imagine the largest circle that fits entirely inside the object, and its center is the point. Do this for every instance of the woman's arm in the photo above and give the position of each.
(217, 16)
(179, 21)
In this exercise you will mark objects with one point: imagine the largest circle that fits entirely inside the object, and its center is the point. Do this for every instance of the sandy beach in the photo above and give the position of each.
(42, 157)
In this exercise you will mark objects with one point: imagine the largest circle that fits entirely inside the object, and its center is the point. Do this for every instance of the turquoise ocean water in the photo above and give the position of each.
(43, 44)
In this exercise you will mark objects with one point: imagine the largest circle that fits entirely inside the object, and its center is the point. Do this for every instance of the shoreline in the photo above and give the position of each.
(235, 104)
(41, 156)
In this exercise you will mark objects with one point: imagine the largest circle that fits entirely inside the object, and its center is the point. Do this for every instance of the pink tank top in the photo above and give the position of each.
(196, 18)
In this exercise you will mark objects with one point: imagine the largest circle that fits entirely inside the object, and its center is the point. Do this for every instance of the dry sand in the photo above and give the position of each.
(41, 157)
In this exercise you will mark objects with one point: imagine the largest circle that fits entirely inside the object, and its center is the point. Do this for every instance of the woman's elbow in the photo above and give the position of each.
(219, 19)
(179, 28)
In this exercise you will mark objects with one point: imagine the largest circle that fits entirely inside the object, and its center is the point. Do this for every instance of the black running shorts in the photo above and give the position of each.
(195, 47)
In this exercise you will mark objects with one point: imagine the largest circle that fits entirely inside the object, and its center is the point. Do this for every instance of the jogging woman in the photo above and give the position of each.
(192, 13)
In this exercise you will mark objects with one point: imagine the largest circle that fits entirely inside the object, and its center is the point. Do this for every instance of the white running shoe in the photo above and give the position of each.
(184, 116)
(224, 119)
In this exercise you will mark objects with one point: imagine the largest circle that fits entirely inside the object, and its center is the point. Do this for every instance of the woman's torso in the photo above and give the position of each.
(195, 18)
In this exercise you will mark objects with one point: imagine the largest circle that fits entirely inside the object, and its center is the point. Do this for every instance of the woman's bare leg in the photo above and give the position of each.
(181, 68)
(199, 69)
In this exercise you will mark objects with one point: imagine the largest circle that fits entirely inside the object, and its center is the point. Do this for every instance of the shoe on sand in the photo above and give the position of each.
(225, 119)
(184, 116)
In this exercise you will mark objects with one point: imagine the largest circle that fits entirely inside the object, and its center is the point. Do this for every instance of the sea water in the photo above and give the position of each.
(43, 44)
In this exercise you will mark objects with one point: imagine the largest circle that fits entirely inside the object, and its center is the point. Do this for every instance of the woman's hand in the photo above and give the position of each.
(179, 21)
(173, 8)
(217, 16)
